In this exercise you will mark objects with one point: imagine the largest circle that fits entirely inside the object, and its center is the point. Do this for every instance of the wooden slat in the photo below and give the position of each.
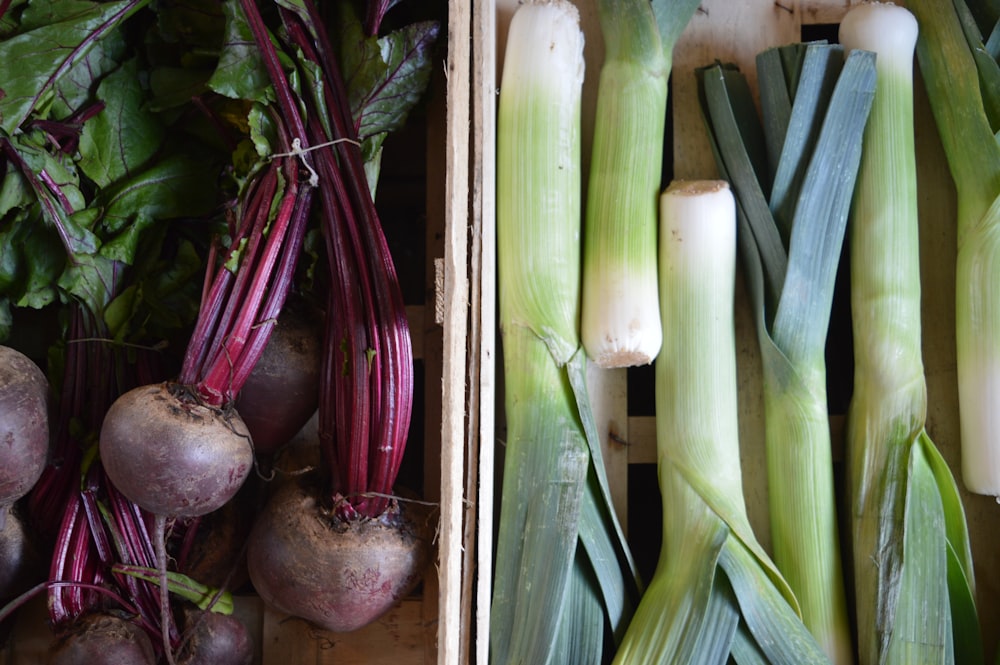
(396, 638)
(483, 306)
(455, 299)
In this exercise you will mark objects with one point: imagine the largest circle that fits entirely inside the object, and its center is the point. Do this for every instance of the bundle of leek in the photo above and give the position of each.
(912, 561)
(805, 157)
(715, 592)
(563, 571)
(963, 85)
(620, 323)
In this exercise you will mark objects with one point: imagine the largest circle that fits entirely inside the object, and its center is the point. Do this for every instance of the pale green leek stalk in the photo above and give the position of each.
(912, 561)
(953, 88)
(562, 570)
(620, 323)
(815, 106)
(714, 592)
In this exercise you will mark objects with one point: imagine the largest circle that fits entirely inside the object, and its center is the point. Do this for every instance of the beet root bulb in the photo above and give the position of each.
(282, 391)
(103, 639)
(172, 455)
(20, 562)
(24, 424)
(338, 575)
(215, 639)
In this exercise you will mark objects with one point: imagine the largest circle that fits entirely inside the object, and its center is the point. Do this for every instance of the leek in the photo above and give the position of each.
(620, 323)
(950, 75)
(805, 156)
(914, 586)
(563, 571)
(715, 592)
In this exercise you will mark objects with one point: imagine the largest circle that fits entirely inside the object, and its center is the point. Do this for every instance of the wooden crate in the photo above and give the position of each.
(426, 627)
(731, 31)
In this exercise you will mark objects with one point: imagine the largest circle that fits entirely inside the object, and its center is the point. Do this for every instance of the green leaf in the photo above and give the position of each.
(986, 64)
(546, 465)
(35, 59)
(92, 279)
(122, 247)
(46, 260)
(6, 319)
(820, 68)
(775, 626)
(919, 630)
(14, 192)
(179, 185)
(58, 171)
(262, 131)
(385, 77)
(204, 596)
(123, 137)
(240, 73)
(581, 631)
(12, 261)
(119, 311)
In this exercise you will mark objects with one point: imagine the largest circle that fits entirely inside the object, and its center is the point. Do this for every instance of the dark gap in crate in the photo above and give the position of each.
(641, 393)
(840, 341)
(401, 200)
(668, 138)
(411, 470)
(817, 31)
(645, 518)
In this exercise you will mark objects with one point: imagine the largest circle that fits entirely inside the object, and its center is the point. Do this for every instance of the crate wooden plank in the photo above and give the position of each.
(483, 313)
(482, 376)
(455, 298)
(396, 638)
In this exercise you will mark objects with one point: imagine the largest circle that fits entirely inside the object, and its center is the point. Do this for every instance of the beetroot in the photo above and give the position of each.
(340, 575)
(282, 391)
(172, 455)
(20, 564)
(215, 554)
(339, 550)
(214, 639)
(103, 639)
(24, 424)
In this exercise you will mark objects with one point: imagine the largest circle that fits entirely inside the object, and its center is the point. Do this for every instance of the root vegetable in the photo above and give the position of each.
(172, 455)
(216, 555)
(215, 639)
(20, 565)
(24, 424)
(282, 391)
(103, 639)
(338, 574)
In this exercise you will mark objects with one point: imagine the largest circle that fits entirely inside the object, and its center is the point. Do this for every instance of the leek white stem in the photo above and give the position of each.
(621, 318)
(950, 75)
(713, 578)
(907, 530)
(560, 556)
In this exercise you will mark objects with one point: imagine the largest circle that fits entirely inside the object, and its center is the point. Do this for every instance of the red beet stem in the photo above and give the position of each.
(230, 367)
(365, 435)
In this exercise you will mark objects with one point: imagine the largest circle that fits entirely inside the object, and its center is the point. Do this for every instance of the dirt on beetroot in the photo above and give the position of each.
(103, 639)
(340, 575)
(174, 456)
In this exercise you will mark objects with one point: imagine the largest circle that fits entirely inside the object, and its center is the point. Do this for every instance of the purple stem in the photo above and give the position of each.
(220, 384)
(391, 381)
